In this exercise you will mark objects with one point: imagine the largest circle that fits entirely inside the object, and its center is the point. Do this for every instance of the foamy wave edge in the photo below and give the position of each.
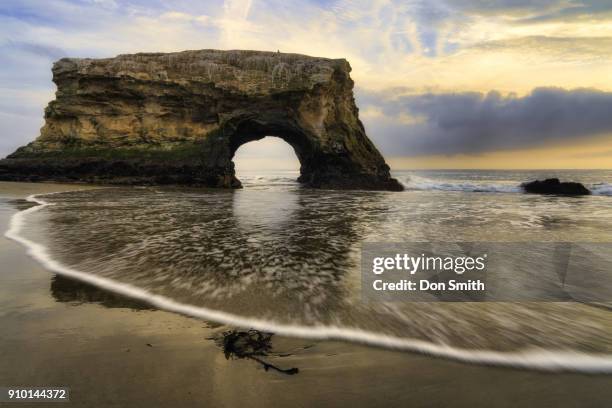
(422, 183)
(604, 189)
(418, 183)
(535, 359)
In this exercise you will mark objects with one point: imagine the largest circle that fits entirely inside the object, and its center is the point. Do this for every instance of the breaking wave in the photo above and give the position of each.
(413, 182)
(602, 189)
(421, 183)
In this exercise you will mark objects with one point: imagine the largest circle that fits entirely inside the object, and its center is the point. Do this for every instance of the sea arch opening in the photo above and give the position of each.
(269, 157)
(259, 146)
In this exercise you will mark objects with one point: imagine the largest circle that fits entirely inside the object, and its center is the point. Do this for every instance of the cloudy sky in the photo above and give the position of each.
(439, 83)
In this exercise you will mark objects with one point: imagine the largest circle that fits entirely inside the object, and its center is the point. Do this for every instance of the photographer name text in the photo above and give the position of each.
(436, 264)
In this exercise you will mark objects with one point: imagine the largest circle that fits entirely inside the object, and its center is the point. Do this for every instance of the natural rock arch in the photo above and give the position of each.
(253, 131)
(179, 118)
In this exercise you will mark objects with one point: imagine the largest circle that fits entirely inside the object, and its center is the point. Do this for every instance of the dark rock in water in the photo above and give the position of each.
(554, 186)
(178, 118)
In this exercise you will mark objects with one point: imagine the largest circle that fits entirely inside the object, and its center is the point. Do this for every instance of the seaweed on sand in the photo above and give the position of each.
(251, 344)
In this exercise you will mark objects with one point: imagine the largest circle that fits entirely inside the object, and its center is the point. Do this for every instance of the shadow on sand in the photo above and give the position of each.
(251, 344)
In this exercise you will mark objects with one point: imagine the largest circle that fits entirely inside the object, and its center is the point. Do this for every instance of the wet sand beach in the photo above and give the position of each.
(115, 352)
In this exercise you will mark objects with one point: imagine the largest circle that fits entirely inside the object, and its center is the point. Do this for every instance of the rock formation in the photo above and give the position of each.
(178, 118)
(554, 186)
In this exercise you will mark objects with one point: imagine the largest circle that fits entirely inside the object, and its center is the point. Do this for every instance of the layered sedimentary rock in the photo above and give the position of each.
(178, 118)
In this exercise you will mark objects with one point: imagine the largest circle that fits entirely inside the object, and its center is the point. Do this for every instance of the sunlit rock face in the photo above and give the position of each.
(178, 118)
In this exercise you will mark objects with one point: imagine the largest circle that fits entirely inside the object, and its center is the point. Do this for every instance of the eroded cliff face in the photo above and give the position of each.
(179, 118)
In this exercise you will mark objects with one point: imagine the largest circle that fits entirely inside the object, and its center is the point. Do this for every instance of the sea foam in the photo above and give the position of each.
(538, 359)
(413, 182)
(422, 183)
(602, 189)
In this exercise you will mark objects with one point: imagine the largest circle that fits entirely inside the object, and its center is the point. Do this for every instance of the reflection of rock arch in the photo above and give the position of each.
(297, 266)
(68, 290)
(179, 118)
(314, 242)
(274, 208)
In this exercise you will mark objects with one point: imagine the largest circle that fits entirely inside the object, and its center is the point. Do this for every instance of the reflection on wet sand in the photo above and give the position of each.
(252, 344)
(67, 290)
(84, 347)
(284, 254)
(291, 257)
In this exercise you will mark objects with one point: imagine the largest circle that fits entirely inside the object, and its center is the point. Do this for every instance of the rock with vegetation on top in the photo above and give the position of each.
(178, 118)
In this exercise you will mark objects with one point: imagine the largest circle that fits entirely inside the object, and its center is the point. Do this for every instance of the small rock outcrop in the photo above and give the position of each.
(178, 118)
(554, 186)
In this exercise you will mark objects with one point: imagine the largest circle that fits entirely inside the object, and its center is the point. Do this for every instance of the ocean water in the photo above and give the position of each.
(278, 257)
